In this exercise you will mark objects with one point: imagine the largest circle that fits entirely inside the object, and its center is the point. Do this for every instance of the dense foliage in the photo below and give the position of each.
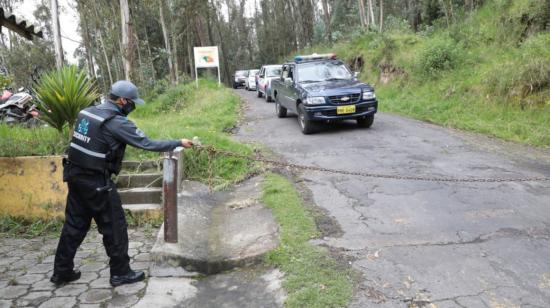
(61, 94)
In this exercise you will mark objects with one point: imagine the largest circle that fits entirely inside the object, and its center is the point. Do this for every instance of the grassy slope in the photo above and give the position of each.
(209, 113)
(483, 87)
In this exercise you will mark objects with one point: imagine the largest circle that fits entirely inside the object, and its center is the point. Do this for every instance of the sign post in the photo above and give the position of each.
(206, 57)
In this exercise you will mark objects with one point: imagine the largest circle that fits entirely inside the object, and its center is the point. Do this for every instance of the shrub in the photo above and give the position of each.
(5, 81)
(62, 93)
(526, 72)
(440, 55)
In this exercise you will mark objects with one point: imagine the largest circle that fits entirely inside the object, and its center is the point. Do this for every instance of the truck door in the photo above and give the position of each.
(283, 96)
(291, 87)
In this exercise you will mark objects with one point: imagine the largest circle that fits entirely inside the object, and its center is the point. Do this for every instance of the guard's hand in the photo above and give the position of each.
(186, 143)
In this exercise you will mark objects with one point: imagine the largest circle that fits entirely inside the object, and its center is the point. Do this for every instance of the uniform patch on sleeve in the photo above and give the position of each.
(140, 133)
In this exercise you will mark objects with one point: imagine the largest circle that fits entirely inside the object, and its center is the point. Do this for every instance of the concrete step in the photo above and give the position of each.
(133, 166)
(142, 207)
(140, 213)
(141, 195)
(134, 180)
(219, 231)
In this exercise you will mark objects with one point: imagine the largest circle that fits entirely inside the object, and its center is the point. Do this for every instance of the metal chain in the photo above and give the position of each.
(213, 151)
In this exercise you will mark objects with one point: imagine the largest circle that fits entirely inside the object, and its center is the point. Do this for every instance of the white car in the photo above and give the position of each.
(266, 74)
(250, 83)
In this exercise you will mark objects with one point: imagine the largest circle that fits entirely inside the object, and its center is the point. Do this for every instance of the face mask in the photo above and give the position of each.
(128, 107)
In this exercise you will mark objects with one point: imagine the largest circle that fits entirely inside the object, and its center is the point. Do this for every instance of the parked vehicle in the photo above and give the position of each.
(250, 83)
(19, 108)
(265, 76)
(239, 78)
(320, 88)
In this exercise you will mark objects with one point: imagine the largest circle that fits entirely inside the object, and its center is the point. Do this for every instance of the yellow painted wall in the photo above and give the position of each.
(32, 187)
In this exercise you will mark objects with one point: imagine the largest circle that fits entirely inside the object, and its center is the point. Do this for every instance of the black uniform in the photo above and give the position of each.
(95, 153)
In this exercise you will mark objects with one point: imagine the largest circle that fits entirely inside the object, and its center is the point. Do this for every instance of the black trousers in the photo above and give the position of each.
(84, 202)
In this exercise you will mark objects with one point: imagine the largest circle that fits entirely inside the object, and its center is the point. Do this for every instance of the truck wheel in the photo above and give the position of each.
(258, 93)
(279, 110)
(307, 126)
(268, 97)
(366, 121)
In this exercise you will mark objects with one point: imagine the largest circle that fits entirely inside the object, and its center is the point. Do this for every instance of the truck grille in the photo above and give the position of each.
(345, 99)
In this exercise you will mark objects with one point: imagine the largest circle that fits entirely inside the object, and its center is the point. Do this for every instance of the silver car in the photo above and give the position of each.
(250, 83)
(266, 74)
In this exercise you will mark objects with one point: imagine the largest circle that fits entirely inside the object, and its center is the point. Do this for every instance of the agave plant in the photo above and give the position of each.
(62, 93)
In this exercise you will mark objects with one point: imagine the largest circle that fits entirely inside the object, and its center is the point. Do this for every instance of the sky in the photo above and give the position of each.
(68, 20)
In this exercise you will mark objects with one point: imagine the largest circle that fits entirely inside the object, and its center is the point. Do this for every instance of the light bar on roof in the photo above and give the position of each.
(327, 56)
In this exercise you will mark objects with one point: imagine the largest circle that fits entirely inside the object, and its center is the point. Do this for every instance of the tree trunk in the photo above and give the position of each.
(103, 48)
(167, 42)
(371, 12)
(362, 14)
(127, 39)
(56, 34)
(327, 18)
(87, 41)
(381, 15)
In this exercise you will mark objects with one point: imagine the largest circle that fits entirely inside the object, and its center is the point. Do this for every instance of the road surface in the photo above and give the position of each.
(422, 243)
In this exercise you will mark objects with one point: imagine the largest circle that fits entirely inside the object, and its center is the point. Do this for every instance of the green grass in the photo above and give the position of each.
(489, 73)
(312, 277)
(21, 141)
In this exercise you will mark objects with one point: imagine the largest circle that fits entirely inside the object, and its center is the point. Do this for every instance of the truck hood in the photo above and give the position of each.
(331, 88)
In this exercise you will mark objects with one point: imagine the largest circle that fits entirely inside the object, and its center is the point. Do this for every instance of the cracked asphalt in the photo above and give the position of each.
(421, 243)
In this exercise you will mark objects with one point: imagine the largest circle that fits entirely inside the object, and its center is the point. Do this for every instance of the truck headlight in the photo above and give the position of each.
(369, 95)
(319, 100)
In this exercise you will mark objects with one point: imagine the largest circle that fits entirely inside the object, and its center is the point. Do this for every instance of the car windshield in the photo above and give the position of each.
(323, 71)
(273, 71)
(241, 73)
(252, 72)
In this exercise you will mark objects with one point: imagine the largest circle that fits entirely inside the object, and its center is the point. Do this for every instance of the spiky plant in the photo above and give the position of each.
(62, 93)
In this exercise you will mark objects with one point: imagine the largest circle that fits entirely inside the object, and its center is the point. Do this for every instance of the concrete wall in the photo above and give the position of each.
(32, 186)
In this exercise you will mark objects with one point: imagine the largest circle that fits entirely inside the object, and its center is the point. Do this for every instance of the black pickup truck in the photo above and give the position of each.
(320, 88)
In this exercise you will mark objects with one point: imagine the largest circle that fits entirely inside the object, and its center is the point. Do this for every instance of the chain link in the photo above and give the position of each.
(211, 151)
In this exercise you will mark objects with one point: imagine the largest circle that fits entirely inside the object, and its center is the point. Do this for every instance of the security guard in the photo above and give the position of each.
(95, 153)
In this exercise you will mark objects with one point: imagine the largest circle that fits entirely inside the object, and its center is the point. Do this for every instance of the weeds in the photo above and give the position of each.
(28, 227)
(312, 277)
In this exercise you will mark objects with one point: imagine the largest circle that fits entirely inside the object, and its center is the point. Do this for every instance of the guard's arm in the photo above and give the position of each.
(127, 132)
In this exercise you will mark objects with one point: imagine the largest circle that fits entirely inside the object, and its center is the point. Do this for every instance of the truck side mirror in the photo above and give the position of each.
(355, 74)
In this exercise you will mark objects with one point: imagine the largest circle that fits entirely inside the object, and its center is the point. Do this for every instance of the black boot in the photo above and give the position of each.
(61, 278)
(130, 277)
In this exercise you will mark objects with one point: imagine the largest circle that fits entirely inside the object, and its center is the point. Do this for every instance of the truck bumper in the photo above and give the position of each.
(326, 113)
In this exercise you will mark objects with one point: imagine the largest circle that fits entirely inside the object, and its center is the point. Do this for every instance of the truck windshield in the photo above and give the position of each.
(241, 73)
(322, 71)
(252, 72)
(272, 71)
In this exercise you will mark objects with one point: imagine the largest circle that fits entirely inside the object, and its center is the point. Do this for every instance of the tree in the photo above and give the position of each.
(128, 42)
(56, 34)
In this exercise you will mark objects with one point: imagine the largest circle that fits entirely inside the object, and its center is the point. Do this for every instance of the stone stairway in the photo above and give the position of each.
(140, 186)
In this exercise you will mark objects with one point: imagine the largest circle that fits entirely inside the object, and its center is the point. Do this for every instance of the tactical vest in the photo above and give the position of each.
(88, 148)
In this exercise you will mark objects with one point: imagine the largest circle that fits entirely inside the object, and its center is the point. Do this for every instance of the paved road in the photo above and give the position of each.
(421, 243)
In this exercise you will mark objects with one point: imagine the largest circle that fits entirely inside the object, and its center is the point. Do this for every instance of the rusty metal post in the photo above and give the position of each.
(178, 155)
(170, 198)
